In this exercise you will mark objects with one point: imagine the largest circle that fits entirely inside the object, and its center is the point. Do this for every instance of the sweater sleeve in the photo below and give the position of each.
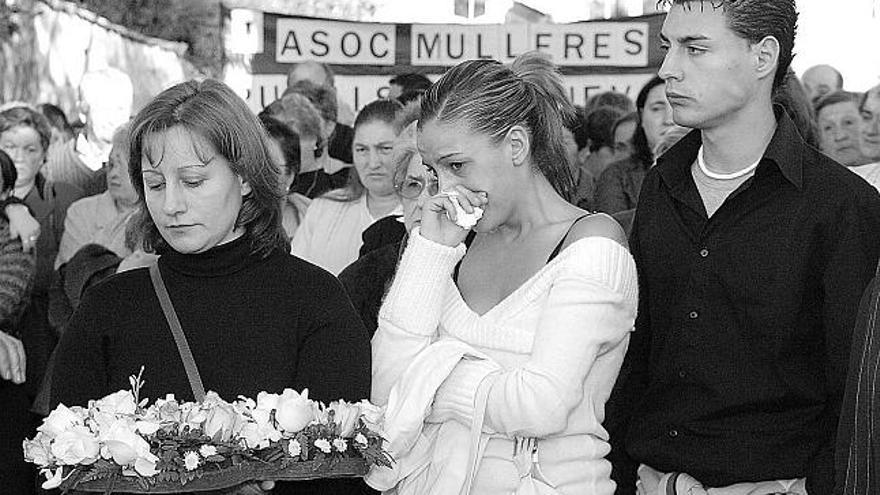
(590, 310)
(17, 270)
(334, 356)
(410, 315)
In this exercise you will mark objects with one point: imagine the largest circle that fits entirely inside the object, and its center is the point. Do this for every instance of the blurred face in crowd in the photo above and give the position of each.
(820, 80)
(870, 135)
(709, 71)
(22, 144)
(308, 71)
(417, 186)
(656, 116)
(372, 148)
(191, 192)
(623, 135)
(839, 126)
(118, 180)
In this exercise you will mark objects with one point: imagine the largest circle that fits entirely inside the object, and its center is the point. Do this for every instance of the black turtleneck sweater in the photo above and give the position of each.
(252, 324)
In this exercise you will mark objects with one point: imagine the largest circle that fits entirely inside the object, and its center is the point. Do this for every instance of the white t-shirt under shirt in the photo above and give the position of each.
(869, 172)
(715, 191)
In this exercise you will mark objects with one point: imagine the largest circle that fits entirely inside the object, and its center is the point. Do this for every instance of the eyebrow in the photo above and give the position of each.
(685, 39)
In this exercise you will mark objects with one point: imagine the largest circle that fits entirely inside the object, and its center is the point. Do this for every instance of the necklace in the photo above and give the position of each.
(715, 175)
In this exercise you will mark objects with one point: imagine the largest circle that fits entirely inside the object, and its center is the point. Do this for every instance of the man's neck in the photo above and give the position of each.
(740, 141)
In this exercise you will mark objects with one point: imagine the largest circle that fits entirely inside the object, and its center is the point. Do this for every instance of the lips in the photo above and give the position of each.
(676, 97)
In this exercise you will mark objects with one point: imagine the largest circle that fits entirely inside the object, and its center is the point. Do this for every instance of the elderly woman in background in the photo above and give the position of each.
(330, 235)
(17, 270)
(101, 219)
(368, 278)
(210, 197)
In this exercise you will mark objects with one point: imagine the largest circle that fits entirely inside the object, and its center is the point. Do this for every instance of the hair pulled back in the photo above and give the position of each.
(491, 98)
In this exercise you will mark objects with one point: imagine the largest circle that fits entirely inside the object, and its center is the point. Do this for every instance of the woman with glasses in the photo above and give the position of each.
(330, 234)
(367, 279)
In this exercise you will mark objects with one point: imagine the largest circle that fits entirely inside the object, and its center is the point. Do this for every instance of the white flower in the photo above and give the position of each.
(126, 447)
(223, 421)
(58, 421)
(76, 446)
(121, 402)
(294, 448)
(346, 416)
(258, 435)
(324, 445)
(38, 451)
(207, 451)
(361, 439)
(147, 427)
(267, 401)
(53, 480)
(372, 415)
(294, 411)
(191, 460)
(146, 467)
(340, 444)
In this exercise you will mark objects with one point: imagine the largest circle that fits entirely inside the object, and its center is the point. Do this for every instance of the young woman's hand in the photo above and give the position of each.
(439, 214)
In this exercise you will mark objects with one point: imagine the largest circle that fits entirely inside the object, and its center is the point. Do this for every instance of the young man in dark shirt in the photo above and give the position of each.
(753, 251)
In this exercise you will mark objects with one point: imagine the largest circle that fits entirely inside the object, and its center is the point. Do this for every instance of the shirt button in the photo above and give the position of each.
(673, 433)
(682, 374)
(693, 315)
(704, 252)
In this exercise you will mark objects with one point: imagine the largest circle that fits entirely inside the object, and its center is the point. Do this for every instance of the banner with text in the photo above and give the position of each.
(594, 56)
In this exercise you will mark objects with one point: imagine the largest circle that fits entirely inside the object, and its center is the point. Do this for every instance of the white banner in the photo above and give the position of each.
(334, 42)
(620, 44)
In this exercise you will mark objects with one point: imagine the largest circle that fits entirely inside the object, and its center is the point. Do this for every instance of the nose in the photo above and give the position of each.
(445, 181)
(173, 202)
(669, 68)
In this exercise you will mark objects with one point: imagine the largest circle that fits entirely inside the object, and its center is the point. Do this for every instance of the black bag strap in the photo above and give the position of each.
(189, 363)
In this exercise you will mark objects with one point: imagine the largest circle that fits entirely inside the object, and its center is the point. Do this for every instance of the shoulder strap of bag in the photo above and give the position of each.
(478, 440)
(189, 363)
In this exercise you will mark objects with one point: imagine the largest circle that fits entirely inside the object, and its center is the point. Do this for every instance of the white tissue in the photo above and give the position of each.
(463, 219)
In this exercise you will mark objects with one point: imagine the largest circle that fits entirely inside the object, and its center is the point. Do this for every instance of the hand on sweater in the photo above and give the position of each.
(439, 213)
(12, 359)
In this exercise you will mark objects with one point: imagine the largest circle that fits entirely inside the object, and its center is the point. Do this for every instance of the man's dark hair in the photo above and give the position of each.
(754, 20)
(411, 81)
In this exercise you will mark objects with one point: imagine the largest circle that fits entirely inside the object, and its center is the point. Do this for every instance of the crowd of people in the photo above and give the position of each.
(674, 294)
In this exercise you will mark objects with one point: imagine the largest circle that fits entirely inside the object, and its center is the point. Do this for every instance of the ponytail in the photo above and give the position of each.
(491, 98)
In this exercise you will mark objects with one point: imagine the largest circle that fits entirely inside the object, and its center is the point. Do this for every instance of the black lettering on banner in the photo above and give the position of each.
(599, 44)
(291, 43)
(449, 46)
(509, 44)
(320, 42)
(480, 53)
(635, 45)
(569, 44)
(539, 40)
(587, 91)
(423, 41)
(342, 45)
(373, 45)
(356, 98)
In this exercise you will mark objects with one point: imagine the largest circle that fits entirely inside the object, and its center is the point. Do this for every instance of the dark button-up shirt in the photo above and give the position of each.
(740, 352)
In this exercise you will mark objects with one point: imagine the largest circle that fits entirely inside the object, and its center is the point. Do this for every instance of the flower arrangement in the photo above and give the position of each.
(123, 441)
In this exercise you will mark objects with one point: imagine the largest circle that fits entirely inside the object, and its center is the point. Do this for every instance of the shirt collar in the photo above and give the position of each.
(785, 151)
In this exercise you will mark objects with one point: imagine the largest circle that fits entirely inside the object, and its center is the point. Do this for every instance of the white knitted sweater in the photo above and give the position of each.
(560, 339)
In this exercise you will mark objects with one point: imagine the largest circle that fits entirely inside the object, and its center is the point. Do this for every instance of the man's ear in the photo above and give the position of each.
(519, 140)
(766, 54)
